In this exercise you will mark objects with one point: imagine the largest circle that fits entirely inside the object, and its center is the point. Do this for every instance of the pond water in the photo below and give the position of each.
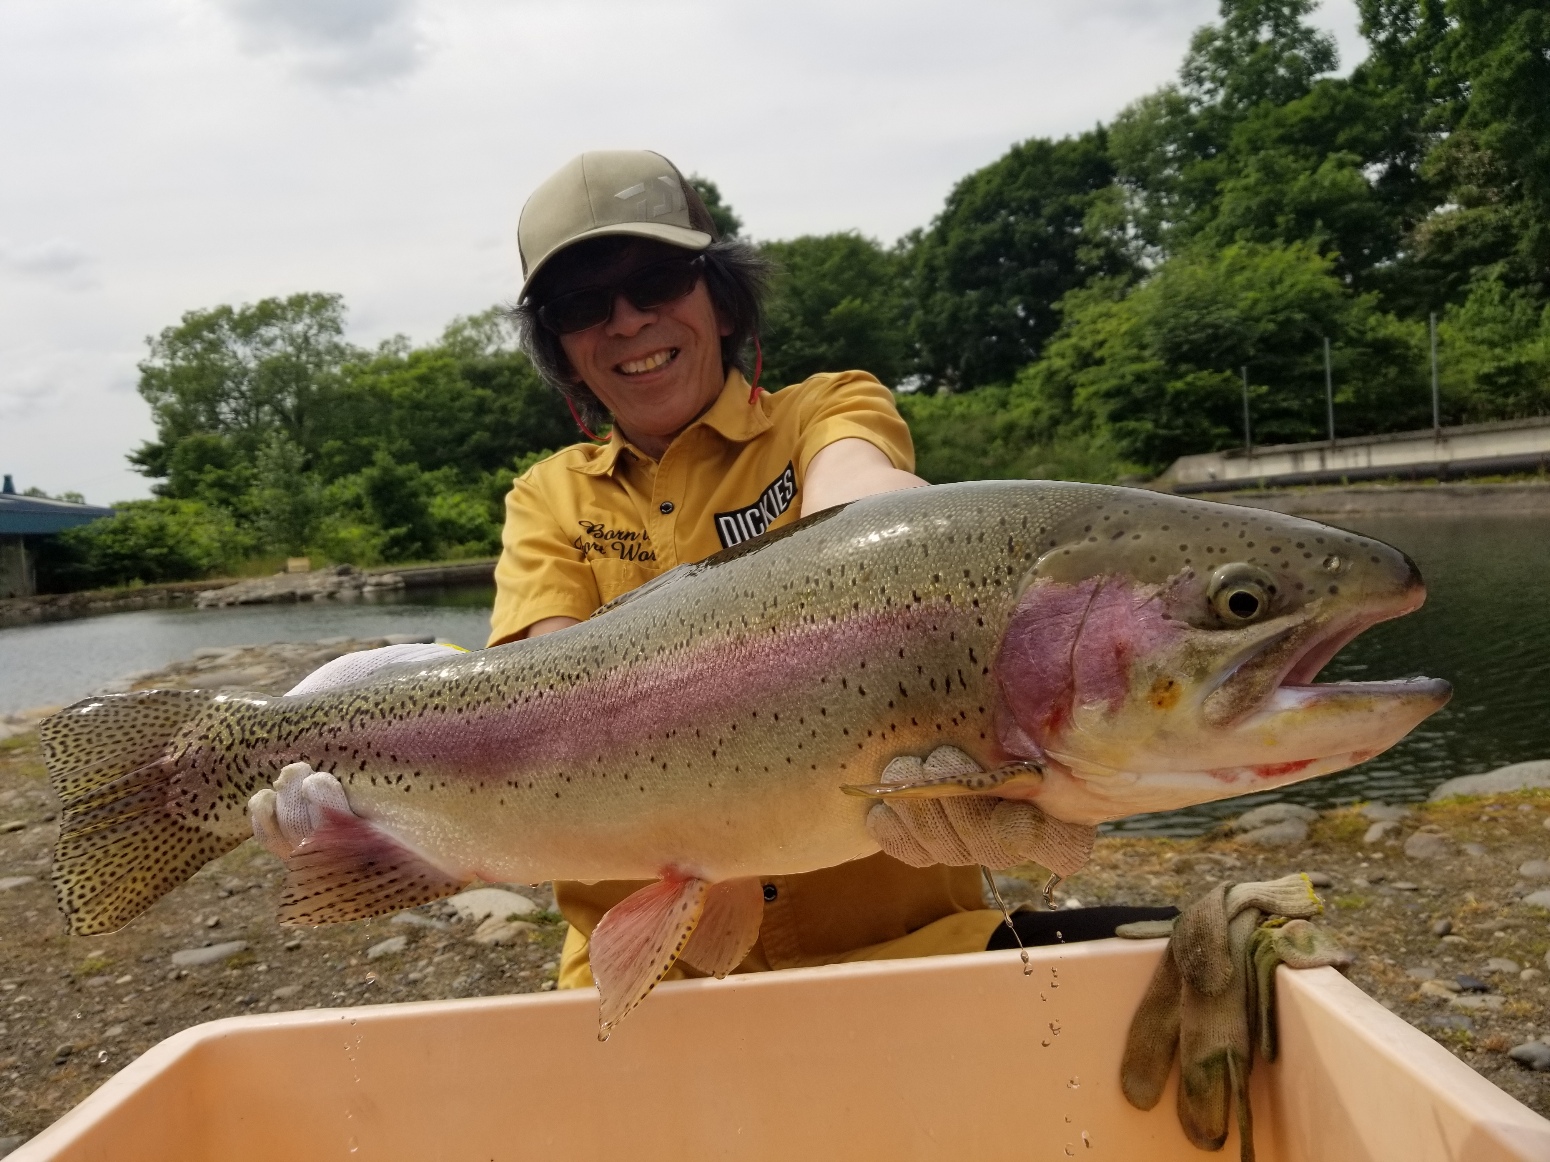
(1485, 627)
(60, 661)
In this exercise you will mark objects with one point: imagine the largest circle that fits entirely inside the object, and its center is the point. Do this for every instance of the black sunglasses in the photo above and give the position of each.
(650, 286)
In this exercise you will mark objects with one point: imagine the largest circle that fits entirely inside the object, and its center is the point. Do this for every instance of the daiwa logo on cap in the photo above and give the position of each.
(648, 200)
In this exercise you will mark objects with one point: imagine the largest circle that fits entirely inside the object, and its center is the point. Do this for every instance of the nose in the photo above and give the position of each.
(627, 319)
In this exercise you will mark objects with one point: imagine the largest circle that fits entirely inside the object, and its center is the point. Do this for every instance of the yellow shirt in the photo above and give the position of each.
(595, 521)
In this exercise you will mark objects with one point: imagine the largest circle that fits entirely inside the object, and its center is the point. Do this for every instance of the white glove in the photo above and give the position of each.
(970, 829)
(362, 664)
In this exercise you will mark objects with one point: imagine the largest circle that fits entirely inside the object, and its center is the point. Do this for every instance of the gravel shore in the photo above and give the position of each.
(1446, 906)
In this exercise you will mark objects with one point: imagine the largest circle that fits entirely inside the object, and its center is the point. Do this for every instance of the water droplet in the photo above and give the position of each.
(1074, 1083)
(1045, 1042)
(1070, 1150)
(1086, 1141)
(1054, 1027)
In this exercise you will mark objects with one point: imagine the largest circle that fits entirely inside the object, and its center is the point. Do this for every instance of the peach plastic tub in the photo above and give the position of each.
(957, 1057)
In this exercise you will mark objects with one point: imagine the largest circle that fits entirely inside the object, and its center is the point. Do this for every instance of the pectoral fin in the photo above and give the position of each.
(639, 939)
(930, 784)
(728, 926)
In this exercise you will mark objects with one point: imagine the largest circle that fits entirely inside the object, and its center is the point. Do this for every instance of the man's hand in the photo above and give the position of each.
(1213, 994)
(362, 664)
(970, 829)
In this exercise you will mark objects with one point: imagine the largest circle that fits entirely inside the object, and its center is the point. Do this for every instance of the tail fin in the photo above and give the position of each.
(121, 846)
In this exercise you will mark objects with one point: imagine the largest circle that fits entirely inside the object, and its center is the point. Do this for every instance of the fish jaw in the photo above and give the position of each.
(1337, 726)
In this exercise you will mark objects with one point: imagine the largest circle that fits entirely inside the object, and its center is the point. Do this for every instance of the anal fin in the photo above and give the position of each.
(351, 869)
(639, 939)
(728, 927)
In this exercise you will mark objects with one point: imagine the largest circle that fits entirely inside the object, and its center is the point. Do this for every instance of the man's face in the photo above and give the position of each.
(656, 370)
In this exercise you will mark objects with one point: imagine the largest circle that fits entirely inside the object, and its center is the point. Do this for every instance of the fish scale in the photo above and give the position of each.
(708, 724)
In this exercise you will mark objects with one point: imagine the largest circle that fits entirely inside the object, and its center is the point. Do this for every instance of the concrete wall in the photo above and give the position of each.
(1458, 499)
(16, 574)
(1476, 449)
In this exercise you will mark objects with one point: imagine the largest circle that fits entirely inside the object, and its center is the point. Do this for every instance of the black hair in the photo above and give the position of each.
(736, 277)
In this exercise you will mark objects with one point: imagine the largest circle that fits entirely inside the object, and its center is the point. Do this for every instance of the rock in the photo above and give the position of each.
(1517, 777)
(1287, 833)
(10, 882)
(192, 957)
(1272, 813)
(1472, 984)
(1442, 927)
(1321, 879)
(392, 946)
(1438, 988)
(497, 930)
(1535, 869)
(482, 903)
(415, 920)
(1421, 972)
(285, 992)
(1476, 849)
(1530, 974)
(1381, 832)
(410, 639)
(1534, 1054)
(1454, 940)
(1428, 845)
(12, 825)
(1547, 823)
(1450, 1021)
(1502, 964)
(1381, 813)
(217, 678)
(1539, 899)
(1476, 1001)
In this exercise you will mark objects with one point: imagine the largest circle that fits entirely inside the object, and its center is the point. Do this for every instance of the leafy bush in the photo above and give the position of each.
(144, 541)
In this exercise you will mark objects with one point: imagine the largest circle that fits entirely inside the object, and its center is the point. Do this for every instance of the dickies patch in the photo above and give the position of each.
(743, 524)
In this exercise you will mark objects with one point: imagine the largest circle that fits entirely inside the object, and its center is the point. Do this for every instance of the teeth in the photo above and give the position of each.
(649, 363)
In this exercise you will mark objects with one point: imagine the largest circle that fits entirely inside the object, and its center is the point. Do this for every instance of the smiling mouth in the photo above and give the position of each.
(647, 363)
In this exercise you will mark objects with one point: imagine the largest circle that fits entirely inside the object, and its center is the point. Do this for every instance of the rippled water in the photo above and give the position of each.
(1485, 627)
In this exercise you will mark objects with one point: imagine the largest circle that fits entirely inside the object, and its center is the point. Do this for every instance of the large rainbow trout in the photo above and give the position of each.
(1097, 651)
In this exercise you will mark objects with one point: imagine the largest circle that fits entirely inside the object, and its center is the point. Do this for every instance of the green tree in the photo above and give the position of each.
(243, 373)
(1013, 238)
(286, 499)
(727, 223)
(836, 303)
(1157, 371)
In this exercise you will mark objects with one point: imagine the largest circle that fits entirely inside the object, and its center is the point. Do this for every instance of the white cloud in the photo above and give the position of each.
(335, 42)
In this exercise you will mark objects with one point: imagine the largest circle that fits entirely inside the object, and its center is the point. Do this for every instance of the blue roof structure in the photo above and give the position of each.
(37, 516)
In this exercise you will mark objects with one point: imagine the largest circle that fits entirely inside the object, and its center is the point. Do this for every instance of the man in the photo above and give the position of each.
(638, 314)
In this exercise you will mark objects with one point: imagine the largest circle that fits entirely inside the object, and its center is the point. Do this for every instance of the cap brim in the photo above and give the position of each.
(657, 231)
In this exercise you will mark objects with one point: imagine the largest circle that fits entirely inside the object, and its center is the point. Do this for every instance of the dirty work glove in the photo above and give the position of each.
(1213, 995)
(362, 664)
(969, 829)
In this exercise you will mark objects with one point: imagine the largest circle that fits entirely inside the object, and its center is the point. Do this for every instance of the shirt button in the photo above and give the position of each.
(770, 893)
(665, 507)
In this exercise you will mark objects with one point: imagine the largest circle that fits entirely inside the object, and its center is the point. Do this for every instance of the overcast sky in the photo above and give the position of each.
(167, 155)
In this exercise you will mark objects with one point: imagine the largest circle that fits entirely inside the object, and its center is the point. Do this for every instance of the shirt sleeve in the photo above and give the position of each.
(851, 404)
(540, 572)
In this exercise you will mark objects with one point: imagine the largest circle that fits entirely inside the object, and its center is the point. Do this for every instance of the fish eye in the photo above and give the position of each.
(1240, 593)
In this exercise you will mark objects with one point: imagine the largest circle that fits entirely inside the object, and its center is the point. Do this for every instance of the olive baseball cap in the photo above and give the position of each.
(610, 191)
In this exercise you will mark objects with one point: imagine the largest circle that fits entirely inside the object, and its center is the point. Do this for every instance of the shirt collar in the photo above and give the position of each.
(731, 416)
